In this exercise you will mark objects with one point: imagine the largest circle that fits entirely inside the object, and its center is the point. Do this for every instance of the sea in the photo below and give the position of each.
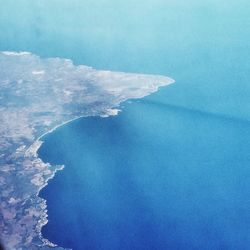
(172, 170)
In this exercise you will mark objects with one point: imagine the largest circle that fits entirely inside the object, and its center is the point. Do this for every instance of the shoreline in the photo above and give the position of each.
(117, 109)
(71, 98)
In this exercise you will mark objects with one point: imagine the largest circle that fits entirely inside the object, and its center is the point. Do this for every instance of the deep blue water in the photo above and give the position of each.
(171, 171)
(155, 177)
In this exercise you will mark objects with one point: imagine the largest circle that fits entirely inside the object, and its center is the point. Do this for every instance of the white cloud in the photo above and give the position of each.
(11, 53)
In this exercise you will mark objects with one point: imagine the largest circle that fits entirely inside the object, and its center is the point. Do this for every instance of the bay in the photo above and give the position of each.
(172, 170)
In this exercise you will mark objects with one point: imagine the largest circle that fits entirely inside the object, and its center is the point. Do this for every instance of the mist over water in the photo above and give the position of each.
(172, 171)
(203, 45)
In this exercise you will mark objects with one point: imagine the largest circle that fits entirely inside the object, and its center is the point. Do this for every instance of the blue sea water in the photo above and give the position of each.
(155, 177)
(172, 170)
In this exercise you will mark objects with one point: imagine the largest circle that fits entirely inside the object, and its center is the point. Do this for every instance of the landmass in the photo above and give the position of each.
(36, 96)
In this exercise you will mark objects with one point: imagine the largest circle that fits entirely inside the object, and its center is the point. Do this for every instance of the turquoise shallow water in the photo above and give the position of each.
(172, 171)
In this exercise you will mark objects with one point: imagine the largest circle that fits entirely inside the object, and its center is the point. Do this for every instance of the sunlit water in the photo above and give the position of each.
(172, 170)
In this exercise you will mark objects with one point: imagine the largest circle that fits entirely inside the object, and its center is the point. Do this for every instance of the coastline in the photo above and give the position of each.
(39, 141)
(63, 92)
